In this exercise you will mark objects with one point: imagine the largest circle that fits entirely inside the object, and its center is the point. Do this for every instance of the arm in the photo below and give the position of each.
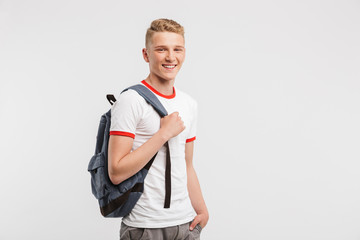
(194, 189)
(123, 163)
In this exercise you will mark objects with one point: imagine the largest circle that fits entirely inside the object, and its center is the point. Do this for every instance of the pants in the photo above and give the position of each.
(179, 232)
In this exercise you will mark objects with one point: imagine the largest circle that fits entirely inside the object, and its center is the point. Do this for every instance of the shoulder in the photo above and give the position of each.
(127, 101)
(130, 96)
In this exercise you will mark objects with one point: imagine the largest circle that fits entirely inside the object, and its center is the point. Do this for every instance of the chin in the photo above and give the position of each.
(168, 77)
(171, 78)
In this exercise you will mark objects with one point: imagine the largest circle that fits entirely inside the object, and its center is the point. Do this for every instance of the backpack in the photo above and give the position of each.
(119, 200)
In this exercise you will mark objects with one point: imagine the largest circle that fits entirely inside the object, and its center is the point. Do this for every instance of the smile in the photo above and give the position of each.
(169, 66)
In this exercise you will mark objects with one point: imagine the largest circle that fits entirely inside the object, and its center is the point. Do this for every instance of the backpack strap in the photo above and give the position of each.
(167, 177)
(150, 98)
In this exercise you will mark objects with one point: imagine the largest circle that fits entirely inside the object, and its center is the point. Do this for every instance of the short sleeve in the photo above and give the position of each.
(192, 132)
(125, 114)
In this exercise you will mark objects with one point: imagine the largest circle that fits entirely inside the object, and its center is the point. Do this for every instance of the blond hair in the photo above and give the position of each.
(163, 25)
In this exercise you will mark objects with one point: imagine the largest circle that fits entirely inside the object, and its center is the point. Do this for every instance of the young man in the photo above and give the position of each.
(138, 133)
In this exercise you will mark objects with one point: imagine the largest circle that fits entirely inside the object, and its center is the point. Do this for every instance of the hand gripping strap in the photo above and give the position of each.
(159, 108)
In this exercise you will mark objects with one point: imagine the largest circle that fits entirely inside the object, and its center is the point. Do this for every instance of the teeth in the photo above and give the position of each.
(168, 66)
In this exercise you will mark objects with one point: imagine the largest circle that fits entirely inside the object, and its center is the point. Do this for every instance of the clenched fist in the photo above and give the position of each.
(171, 125)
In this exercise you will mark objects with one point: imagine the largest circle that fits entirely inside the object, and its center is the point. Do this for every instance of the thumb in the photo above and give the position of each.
(194, 223)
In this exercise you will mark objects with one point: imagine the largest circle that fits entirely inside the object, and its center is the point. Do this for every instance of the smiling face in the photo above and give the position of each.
(165, 54)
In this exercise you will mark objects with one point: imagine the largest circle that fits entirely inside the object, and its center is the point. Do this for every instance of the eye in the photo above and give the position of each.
(178, 49)
(161, 49)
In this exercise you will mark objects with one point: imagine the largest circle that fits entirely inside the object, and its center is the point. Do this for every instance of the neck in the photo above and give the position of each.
(161, 85)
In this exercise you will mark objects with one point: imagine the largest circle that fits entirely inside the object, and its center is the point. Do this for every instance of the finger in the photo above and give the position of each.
(194, 223)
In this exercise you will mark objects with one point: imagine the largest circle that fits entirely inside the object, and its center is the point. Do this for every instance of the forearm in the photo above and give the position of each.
(196, 197)
(123, 167)
(123, 163)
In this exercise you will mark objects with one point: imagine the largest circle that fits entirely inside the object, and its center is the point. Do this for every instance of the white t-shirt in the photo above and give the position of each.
(132, 116)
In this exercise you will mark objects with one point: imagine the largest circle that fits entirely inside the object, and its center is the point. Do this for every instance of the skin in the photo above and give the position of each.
(166, 49)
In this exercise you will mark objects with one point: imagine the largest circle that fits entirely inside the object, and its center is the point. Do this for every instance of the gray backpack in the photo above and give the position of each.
(119, 200)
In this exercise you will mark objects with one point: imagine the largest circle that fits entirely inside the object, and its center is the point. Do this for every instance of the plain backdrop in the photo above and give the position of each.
(277, 82)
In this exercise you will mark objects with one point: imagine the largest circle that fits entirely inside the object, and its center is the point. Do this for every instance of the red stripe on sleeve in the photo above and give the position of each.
(190, 139)
(127, 134)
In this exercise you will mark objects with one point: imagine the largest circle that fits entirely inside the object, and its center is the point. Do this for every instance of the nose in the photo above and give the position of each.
(170, 56)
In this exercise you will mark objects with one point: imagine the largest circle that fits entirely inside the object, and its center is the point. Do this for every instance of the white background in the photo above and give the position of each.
(277, 82)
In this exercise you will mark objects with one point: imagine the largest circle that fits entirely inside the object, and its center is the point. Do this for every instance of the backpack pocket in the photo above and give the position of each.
(97, 168)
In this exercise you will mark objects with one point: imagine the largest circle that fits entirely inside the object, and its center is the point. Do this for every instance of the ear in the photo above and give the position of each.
(145, 55)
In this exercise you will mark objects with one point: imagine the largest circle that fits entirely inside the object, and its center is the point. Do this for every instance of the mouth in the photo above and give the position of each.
(169, 66)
